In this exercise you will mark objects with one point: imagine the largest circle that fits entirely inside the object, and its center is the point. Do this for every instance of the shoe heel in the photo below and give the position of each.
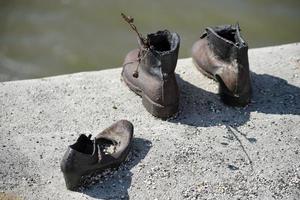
(158, 110)
(72, 181)
(235, 101)
(228, 97)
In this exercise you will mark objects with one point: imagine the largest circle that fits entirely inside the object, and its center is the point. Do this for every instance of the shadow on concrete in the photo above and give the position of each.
(117, 184)
(271, 95)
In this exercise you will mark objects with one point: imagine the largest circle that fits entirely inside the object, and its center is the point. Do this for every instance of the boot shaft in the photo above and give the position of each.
(163, 53)
(227, 44)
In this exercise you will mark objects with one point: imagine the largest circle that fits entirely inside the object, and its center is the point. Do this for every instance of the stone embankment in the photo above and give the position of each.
(208, 151)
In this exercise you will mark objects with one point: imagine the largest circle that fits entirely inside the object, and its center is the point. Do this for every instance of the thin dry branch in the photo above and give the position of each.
(130, 21)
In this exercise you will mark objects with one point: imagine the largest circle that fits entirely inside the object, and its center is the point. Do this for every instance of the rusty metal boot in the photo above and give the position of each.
(149, 72)
(222, 54)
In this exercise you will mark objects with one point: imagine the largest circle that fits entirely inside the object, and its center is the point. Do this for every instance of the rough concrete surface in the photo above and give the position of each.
(209, 151)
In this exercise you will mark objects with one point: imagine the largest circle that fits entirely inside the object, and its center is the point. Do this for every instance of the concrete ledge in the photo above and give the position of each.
(208, 151)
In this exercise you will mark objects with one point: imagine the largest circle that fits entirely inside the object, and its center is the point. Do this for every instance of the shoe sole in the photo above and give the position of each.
(75, 181)
(157, 110)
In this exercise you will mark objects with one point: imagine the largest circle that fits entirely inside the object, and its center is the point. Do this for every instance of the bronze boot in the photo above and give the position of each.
(108, 150)
(222, 54)
(149, 72)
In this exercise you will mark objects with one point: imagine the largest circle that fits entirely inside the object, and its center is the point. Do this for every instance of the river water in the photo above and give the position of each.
(42, 38)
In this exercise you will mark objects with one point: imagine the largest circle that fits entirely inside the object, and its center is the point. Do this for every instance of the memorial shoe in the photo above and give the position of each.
(222, 54)
(107, 150)
(149, 72)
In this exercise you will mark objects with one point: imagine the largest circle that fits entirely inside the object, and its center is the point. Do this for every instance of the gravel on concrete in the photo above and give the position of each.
(209, 151)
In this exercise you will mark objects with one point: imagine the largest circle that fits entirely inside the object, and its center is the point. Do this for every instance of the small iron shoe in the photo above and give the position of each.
(108, 150)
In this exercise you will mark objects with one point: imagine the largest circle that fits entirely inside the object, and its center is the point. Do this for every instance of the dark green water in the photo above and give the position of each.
(42, 38)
